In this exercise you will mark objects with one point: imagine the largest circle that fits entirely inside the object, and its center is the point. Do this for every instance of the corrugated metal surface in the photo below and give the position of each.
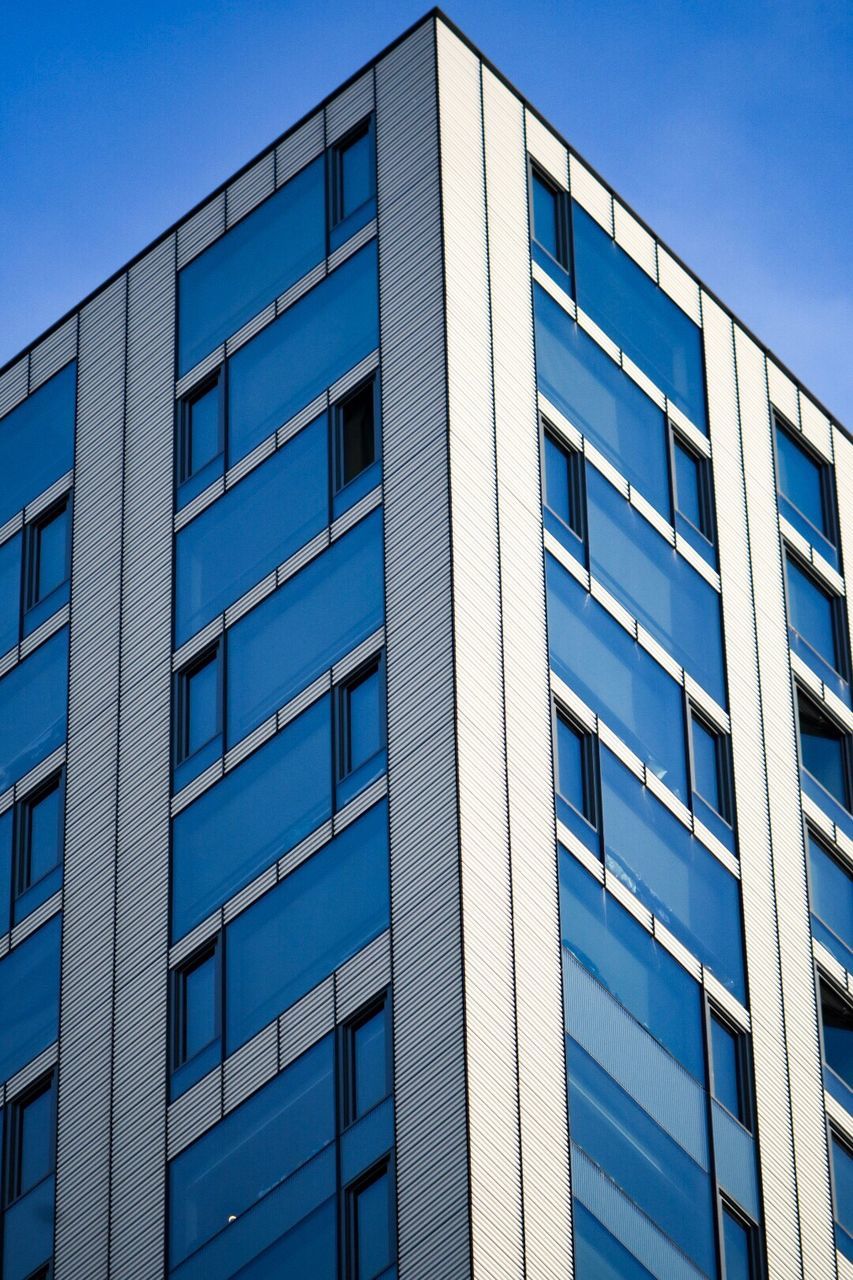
(789, 865)
(250, 1067)
(490, 1031)
(349, 107)
(139, 1067)
(362, 976)
(681, 287)
(635, 239)
(591, 193)
(299, 148)
(85, 1059)
(546, 149)
(51, 355)
(13, 384)
(201, 229)
(541, 1064)
(250, 189)
(760, 923)
(783, 393)
(426, 944)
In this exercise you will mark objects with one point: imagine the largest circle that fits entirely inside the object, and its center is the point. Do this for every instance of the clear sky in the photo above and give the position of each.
(726, 124)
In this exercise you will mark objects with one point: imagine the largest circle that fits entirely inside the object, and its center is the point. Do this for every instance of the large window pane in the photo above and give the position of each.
(813, 618)
(831, 889)
(258, 259)
(304, 627)
(639, 316)
(842, 1185)
(599, 1254)
(655, 583)
(616, 677)
(805, 484)
(319, 915)
(666, 867)
(231, 1168)
(10, 592)
(592, 391)
(256, 813)
(823, 750)
(33, 699)
(265, 518)
(29, 998)
(303, 352)
(37, 442)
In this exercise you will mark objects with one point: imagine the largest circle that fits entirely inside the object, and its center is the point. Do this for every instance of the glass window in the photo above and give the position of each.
(361, 733)
(600, 1254)
(201, 438)
(368, 1061)
(546, 215)
(739, 1247)
(10, 592)
(29, 998)
(564, 493)
(824, 750)
(804, 483)
(842, 1187)
(309, 347)
(837, 1023)
(814, 615)
(639, 316)
(199, 703)
(39, 841)
(37, 442)
(33, 703)
(576, 772)
(48, 553)
(319, 915)
(353, 171)
(369, 1217)
(254, 262)
(693, 488)
(30, 1139)
(355, 434)
(710, 766)
(599, 398)
(831, 893)
(7, 878)
(259, 523)
(304, 627)
(728, 1067)
(197, 998)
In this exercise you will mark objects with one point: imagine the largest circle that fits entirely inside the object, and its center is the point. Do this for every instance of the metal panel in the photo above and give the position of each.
(546, 149)
(760, 922)
(490, 1032)
(542, 1082)
(816, 427)
(13, 384)
(635, 240)
(306, 1022)
(362, 976)
(786, 829)
(349, 107)
(680, 286)
(53, 353)
(86, 1014)
(429, 1069)
(201, 229)
(250, 189)
(783, 393)
(251, 1066)
(141, 960)
(591, 194)
(299, 148)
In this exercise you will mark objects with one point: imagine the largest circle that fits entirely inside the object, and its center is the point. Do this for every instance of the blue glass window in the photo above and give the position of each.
(198, 714)
(353, 182)
(549, 230)
(37, 442)
(672, 873)
(48, 564)
(7, 827)
(831, 892)
(639, 317)
(601, 400)
(33, 700)
(728, 1068)
(806, 492)
(600, 1254)
(842, 1186)
(302, 353)
(646, 574)
(29, 998)
(257, 812)
(265, 253)
(370, 1221)
(320, 914)
(229, 1172)
(259, 523)
(10, 592)
(30, 1139)
(39, 843)
(201, 437)
(360, 731)
(824, 750)
(837, 1026)
(815, 625)
(627, 960)
(306, 626)
(739, 1247)
(616, 677)
(196, 1021)
(691, 488)
(355, 446)
(571, 781)
(564, 494)
(710, 760)
(368, 1061)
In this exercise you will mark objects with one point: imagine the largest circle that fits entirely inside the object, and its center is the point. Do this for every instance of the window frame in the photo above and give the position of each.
(12, 1134)
(343, 766)
(383, 1167)
(22, 833)
(380, 1003)
(575, 481)
(365, 127)
(565, 240)
(215, 381)
(743, 1064)
(825, 470)
(338, 484)
(819, 709)
(211, 653)
(590, 770)
(756, 1250)
(707, 513)
(835, 1134)
(32, 553)
(212, 948)
(838, 621)
(725, 775)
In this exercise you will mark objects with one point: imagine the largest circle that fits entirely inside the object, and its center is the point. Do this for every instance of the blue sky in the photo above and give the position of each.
(727, 126)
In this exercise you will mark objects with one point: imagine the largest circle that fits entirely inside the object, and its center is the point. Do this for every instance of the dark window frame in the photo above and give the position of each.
(825, 470)
(725, 776)
(32, 551)
(12, 1139)
(183, 461)
(383, 1167)
(338, 409)
(212, 653)
(565, 241)
(347, 1076)
(22, 833)
(839, 622)
(756, 1248)
(342, 734)
(590, 768)
(707, 513)
(818, 709)
(835, 1134)
(365, 127)
(743, 1064)
(213, 948)
(576, 481)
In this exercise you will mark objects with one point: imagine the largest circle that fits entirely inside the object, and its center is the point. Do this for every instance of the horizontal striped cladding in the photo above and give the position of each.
(299, 148)
(201, 229)
(843, 452)
(539, 1003)
(349, 107)
(490, 1033)
(789, 862)
(761, 934)
(13, 384)
(86, 1013)
(429, 1069)
(139, 1070)
(247, 191)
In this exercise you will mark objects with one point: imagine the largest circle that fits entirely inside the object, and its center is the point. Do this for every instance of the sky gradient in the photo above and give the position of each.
(727, 126)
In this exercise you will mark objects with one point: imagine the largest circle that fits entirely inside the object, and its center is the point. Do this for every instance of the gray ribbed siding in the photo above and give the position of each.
(429, 1070)
(86, 1012)
(141, 965)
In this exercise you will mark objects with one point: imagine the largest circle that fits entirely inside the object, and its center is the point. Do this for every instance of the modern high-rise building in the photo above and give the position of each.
(425, 736)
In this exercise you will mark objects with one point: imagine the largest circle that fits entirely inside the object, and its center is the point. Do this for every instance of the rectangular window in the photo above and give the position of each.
(352, 174)
(10, 592)
(831, 896)
(29, 998)
(48, 563)
(824, 755)
(816, 625)
(39, 820)
(740, 1246)
(369, 1225)
(367, 1061)
(577, 779)
(201, 437)
(564, 493)
(806, 492)
(836, 1015)
(30, 1139)
(693, 497)
(198, 714)
(549, 227)
(196, 1016)
(711, 777)
(37, 442)
(356, 452)
(33, 708)
(360, 730)
(842, 1195)
(729, 1067)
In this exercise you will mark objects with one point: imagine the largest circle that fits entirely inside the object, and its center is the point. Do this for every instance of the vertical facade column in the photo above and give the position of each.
(433, 1216)
(138, 1161)
(535, 899)
(86, 991)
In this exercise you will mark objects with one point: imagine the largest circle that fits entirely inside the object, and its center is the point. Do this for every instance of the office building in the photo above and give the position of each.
(425, 736)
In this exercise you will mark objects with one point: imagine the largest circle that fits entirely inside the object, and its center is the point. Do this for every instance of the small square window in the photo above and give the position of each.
(824, 750)
(711, 766)
(729, 1070)
(196, 1005)
(201, 431)
(740, 1246)
(355, 434)
(39, 840)
(30, 1135)
(48, 554)
(564, 491)
(805, 487)
(693, 489)
(353, 174)
(199, 704)
(548, 207)
(369, 1225)
(367, 1061)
